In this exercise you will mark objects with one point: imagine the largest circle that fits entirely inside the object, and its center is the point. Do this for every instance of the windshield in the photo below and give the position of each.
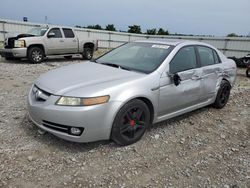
(137, 56)
(38, 31)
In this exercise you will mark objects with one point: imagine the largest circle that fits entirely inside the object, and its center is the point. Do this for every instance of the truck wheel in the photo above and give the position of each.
(35, 55)
(88, 53)
(248, 72)
(68, 57)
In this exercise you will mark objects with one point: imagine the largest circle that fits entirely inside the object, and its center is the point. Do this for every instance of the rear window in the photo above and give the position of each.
(206, 55)
(68, 33)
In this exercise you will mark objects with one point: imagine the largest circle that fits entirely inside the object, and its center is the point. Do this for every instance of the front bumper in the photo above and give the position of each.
(96, 121)
(14, 52)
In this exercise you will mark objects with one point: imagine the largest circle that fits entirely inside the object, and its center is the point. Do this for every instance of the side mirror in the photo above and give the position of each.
(51, 35)
(176, 79)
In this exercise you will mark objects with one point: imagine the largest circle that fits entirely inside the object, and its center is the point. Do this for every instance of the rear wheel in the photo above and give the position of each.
(88, 53)
(222, 95)
(248, 72)
(130, 123)
(35, 55)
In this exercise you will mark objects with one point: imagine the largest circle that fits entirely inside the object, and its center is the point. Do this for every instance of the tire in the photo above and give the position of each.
(35, 55)
(130, 123)
(248, 72)
(68, 57)
(222, 95)
(88, 53)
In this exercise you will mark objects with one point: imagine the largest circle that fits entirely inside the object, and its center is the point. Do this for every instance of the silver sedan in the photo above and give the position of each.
(120, 94)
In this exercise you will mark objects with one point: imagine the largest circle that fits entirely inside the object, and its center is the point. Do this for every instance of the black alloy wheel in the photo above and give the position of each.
(222, 95)
(131, 123)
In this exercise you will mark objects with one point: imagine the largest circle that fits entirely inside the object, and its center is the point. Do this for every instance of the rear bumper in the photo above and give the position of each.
(14, 52)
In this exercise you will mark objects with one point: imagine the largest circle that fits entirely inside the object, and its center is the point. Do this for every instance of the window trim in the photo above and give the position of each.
(218, 57)
(196, 57)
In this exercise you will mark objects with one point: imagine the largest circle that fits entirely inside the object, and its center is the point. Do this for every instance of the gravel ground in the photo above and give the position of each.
(205, 148)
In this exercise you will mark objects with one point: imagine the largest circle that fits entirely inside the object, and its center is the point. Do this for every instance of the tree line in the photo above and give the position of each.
(137, 29)
(131, 29)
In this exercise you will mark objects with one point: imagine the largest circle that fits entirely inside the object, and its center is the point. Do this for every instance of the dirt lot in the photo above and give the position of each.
(205, 148)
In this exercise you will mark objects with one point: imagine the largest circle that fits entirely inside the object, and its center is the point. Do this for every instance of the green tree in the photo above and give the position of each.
(162, 32)
(151, 31)
(232, 35)
(97, 26)
(134, 29)
(110, 27)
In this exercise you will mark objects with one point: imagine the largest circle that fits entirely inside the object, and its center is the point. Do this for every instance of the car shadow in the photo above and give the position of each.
(52, 141)
(47, 60)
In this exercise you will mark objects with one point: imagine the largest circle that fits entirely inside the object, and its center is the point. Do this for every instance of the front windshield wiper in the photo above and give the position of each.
(116, 66)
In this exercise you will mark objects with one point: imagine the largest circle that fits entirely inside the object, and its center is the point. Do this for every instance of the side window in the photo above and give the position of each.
(206, 55)
(57, 32)
(68, 33)
(185, 59)
(216, 57)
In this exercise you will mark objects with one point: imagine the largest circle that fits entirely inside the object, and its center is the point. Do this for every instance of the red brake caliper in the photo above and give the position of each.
(132, 123)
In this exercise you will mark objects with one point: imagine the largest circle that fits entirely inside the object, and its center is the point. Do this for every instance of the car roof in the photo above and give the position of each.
(172, 42)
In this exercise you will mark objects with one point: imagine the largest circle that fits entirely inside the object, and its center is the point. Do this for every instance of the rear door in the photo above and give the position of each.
(55, 44)
(174, 98)
(70, 41)
(211, 70)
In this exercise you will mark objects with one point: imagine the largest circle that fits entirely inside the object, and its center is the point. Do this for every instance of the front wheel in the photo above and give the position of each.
(248, 72)
(130, 123)
(88, 53)
(35, 55)
(222, 95)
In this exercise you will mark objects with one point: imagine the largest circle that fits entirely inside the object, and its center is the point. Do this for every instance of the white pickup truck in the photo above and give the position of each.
(40, 42)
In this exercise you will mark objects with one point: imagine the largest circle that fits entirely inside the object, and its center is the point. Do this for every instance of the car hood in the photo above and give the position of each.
(69, 78)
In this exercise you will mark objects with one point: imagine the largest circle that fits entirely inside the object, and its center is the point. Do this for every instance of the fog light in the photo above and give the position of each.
(75, 131)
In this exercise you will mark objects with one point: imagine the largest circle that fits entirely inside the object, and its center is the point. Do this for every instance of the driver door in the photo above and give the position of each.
(55, 43)
(176, 98)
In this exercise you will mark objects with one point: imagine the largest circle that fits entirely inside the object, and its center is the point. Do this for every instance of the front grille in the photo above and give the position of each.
(40, 95)
(60, 127)
(10, 43)
(56, 126)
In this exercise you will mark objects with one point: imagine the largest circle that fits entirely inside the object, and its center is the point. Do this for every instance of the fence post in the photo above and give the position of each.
(3, 31)
(109, 40)
(225, 46)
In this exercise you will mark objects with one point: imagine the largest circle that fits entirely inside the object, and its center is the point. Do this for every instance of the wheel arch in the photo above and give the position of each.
(89, 45)
(36, 45)
(144, 99)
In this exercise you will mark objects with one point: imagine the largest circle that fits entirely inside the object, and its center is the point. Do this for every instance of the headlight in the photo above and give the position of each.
(19, 44)
(75, 101)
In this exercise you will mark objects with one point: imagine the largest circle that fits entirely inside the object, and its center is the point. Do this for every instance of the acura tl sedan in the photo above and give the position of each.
(120, 94)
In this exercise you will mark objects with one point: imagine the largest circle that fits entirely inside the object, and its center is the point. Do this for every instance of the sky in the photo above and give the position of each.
(199, 17)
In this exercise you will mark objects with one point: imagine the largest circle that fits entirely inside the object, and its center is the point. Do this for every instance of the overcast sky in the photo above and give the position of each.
(204, 17)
